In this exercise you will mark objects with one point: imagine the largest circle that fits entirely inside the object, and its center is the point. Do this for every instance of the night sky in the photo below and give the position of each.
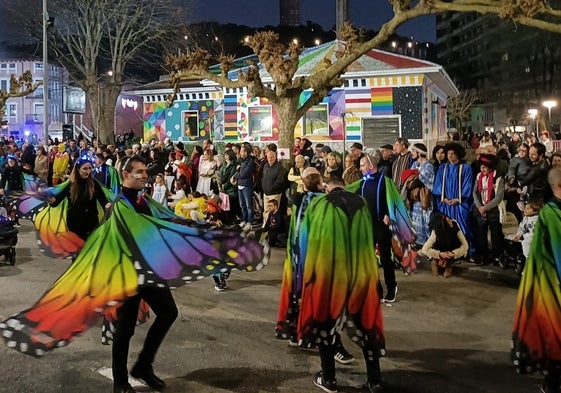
(370, 14)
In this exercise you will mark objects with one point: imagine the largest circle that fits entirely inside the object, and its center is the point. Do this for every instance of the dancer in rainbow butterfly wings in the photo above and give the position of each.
(139, 252)
(340, 283)
(536, 335)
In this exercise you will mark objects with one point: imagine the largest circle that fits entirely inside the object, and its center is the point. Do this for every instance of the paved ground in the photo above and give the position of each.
(443, 335)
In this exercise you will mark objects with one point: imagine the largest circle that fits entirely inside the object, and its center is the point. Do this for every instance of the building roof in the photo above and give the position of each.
(375, 63)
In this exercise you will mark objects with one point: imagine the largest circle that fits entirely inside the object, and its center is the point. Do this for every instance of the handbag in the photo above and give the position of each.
(234, 180)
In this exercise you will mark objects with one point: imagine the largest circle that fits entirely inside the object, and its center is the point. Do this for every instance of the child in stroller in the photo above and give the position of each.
(517, 246)
(8, 237)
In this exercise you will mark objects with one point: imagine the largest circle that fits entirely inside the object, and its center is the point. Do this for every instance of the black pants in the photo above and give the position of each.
(327, 353)
(383, 238)
(162, 304)
(482, 225)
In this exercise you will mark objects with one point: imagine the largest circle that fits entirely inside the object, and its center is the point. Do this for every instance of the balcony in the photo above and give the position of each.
(34, 118)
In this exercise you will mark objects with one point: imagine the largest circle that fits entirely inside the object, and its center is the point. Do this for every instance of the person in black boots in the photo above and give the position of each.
(159, 299)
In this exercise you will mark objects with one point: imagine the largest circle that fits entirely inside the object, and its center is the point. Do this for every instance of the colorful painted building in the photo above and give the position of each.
(384, 95)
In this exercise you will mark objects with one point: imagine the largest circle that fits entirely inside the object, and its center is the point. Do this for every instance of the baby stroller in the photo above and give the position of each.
(8, 240)
(512, 255)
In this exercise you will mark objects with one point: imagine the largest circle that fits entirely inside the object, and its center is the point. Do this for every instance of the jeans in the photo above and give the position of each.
(246, 203)
(482, 225)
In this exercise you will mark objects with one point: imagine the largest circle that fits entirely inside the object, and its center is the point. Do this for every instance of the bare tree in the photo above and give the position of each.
(281, 62)
(95, 41)
(19, 87)
(459, 107)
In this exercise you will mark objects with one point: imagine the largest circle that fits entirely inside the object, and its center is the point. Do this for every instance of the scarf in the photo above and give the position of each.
(486, 189)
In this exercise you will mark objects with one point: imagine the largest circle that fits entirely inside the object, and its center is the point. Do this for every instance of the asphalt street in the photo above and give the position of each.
(443, 335)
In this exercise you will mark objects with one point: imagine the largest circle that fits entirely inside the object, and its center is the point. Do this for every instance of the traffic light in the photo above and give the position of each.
(68, 131)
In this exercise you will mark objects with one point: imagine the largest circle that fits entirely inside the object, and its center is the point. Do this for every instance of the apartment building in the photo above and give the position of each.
(24, 116)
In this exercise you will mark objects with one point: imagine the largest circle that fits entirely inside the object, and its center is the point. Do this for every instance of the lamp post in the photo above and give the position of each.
(45, 76)
(549, 104)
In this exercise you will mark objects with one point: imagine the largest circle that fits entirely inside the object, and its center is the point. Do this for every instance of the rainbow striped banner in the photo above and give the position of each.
(382, 101)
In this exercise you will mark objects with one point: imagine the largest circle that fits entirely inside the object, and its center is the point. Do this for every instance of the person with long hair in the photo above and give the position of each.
(83, 193)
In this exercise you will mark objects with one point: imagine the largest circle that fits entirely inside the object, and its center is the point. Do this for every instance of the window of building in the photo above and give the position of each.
(12, 66)
(3, 66)
(190, 123)
(4, 84)
(261, 120)
(315, 120)
(38, 66)
(12, 110)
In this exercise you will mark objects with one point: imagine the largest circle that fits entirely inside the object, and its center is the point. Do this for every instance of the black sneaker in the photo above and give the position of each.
(326, 386)
(343, 357)
(391, 296)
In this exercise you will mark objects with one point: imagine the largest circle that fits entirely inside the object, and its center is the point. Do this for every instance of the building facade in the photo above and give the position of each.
(24, 116)
(384, 96)
(289, 12)
(513, 68)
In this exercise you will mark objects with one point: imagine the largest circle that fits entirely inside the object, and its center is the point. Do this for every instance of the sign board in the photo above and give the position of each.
(73, 100)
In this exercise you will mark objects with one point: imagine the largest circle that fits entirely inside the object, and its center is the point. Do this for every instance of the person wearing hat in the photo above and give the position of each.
(356, 150)
(386, 160)
(488, 193)
(453, 187)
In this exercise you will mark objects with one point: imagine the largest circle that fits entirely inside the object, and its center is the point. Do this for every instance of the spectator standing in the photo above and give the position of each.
(356, 151)
(386, 160)
(350, 173)
(536, 178)
(488, 193)
(453, 188)
(274, 181)
(333, 167)
(244, 181)
(41, 167)
(403, 160)
(421, 194)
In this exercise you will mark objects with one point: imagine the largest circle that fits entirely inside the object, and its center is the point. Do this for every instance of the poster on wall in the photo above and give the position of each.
(190, 124)
(315, 121)
(260, 121)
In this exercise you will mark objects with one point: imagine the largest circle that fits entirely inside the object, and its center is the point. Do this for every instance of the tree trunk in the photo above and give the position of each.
(287, 109)
(103, 101)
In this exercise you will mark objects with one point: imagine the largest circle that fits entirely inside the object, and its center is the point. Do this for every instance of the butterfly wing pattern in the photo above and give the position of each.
(126, 252)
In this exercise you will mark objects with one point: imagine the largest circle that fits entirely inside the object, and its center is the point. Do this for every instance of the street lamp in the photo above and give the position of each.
(549, 104)
(45, 76)
(533, 115)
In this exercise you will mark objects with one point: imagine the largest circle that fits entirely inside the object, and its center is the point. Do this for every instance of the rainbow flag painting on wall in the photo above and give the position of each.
(382, 101)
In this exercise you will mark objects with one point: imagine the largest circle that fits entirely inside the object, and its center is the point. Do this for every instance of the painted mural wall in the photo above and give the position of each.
(237, 117)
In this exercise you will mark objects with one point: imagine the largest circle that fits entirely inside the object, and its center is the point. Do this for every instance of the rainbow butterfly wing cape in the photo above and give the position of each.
(53, 236)
(126, 252)
(340, 273)
(536, 335)
(400, 220)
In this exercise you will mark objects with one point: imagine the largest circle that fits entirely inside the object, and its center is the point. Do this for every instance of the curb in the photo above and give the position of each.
(470, 271)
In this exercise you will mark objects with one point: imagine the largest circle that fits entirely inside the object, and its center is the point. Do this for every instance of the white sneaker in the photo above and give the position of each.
(247, 227)
(242, 224)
